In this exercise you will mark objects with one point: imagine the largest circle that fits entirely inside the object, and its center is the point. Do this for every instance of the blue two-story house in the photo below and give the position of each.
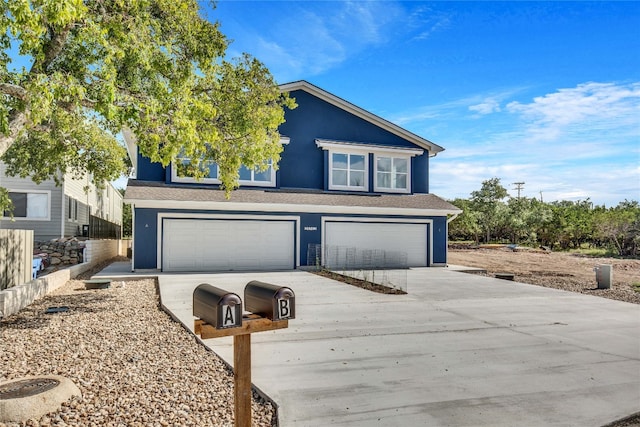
(349, 182)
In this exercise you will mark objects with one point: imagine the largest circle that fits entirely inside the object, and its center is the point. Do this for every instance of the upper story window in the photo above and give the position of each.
(392, 174)
(255, 177)
(29, 205)
(349, 166)
(348, 171)
(251, 177)
(258, 177)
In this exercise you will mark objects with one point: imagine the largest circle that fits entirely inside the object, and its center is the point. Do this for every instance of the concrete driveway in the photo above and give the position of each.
(458, 350)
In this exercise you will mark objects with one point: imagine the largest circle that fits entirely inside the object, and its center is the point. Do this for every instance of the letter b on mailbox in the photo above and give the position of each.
(217, 307)
(271, 301)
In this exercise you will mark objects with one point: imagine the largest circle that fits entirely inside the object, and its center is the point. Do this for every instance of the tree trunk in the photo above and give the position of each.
(15, 126)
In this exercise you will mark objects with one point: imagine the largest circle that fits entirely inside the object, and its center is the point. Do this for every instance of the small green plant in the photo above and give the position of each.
(636, 286)
(594, 252)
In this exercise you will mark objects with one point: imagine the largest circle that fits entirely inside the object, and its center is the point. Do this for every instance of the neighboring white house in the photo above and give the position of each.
(58, 211)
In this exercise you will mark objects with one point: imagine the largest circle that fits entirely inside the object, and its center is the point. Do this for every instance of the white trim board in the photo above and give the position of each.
(327, 144)
(287, 207)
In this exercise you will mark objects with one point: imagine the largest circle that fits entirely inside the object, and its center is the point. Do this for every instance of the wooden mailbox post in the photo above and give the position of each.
(220, 309)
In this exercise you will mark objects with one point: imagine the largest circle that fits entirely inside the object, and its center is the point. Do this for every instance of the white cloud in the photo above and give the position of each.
(606, 181)
(363, 22)
(323, 35)
(576, 143)
(490, 105)
(579, 110)
(426, 22)
(482, 104)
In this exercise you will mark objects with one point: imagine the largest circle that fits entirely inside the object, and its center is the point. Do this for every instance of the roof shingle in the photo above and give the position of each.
(143, 191)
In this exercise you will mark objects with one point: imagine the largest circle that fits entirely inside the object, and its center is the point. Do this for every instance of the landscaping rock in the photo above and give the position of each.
(134, 365)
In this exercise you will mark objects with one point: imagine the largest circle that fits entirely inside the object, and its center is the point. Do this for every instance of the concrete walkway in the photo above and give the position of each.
(458, 350)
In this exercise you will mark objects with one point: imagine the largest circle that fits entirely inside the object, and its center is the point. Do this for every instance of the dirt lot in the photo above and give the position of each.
(555, 270)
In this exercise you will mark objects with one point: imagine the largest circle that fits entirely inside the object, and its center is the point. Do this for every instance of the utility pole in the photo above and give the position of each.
(519, 187)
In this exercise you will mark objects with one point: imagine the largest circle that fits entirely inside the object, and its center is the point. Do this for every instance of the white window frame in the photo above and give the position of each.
(284, 140)
(349, 153)
(216, 180)
(188, 179)
(343, 147)
(253, 182)
(46, 192)
(392, 156)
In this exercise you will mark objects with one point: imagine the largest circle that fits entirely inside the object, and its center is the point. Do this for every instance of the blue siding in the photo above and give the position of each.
(420, 174)
(149, 171)
(145, 238)
(439, 240)
(310, 234)
(303, 164)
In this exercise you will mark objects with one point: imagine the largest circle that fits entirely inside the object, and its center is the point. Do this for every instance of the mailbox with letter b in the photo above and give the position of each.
(217, 307)
(220, 315)
(271, 301)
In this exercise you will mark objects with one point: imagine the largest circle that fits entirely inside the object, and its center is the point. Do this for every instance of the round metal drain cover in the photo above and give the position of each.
(25, 388)
(32, 397)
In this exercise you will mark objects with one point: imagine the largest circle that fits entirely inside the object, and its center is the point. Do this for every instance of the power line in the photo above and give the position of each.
(519, 187)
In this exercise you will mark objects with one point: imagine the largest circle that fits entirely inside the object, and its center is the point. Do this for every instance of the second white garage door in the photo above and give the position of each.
(369, 237)
(227, 245)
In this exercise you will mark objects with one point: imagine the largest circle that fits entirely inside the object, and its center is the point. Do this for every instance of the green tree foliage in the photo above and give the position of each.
(467, 225)
(573, 222)
(526, 219)
(620, 226)
(153, 66)
(488, 203)
(564, 224)
(127, 218)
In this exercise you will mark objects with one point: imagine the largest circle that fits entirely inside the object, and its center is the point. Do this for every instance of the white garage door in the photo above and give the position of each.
(225, 245)
(363, 243)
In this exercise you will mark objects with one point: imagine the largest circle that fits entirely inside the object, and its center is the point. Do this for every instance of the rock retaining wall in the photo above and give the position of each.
(62, 252)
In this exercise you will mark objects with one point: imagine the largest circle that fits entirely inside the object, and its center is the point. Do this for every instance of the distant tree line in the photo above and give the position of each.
(491, 215)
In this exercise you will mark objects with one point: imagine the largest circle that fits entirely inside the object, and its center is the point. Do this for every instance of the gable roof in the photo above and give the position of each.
(363, 114)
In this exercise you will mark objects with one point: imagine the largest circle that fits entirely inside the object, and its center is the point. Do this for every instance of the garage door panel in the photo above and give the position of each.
(217, 245)
(398, 238)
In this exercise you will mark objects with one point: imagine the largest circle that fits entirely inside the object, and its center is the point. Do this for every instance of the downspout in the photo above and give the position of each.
(62, 203)
(133, 240)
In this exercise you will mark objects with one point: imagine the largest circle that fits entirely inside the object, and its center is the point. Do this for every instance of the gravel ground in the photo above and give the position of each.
(558, 270)
(134, 365)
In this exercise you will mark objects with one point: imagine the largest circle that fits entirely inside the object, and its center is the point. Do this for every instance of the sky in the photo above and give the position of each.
(544, 93)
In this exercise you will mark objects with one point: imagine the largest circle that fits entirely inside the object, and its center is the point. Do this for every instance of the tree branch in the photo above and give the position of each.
(52, 49)
(13, 90)
(16, 124)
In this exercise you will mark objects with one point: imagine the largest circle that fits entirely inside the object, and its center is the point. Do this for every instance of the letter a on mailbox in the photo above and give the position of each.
(228, 316)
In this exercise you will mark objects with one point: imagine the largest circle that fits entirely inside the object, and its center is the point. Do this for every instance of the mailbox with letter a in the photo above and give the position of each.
(271, 301)
(220, 315)
(217, 307)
